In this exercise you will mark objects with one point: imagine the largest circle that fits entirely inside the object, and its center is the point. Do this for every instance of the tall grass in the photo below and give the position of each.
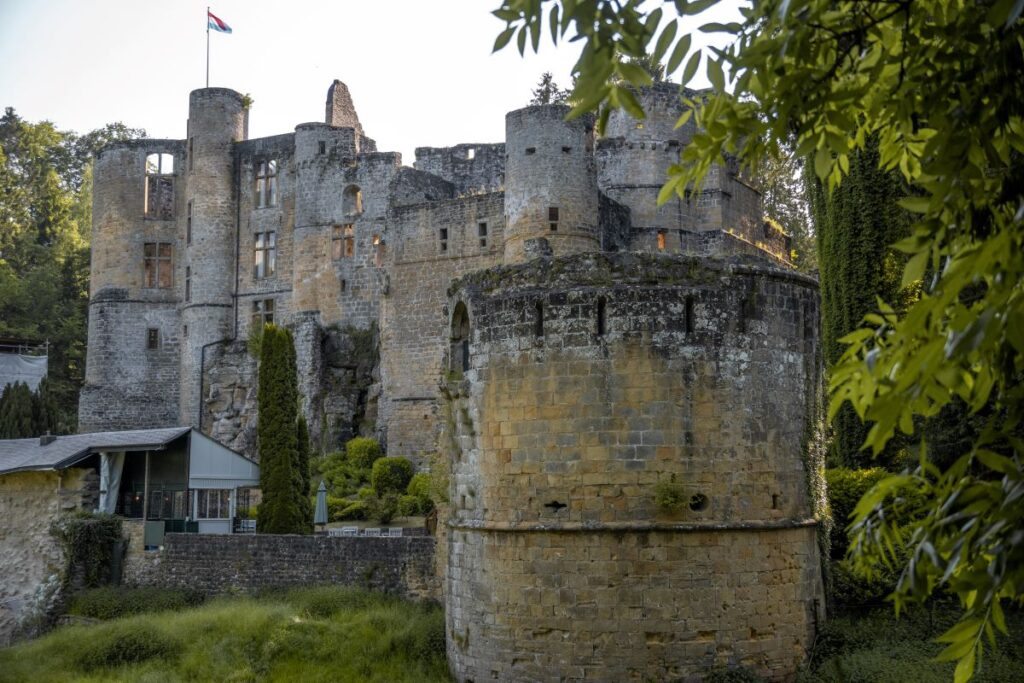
(321, 634)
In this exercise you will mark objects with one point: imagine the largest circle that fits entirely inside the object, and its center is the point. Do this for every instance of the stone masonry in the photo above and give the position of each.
(523, 316)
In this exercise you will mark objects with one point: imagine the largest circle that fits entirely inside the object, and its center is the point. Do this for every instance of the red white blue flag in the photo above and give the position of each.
(217, 24)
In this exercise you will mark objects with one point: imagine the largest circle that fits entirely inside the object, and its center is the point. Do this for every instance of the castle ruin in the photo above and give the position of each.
(523, 315)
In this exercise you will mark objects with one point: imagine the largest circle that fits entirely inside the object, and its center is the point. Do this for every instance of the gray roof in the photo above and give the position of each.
(17, 455)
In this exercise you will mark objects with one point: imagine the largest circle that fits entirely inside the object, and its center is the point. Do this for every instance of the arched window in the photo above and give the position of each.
(352, 200)
(460, 339)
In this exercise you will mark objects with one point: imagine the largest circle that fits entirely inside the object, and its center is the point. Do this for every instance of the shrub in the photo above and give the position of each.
(845, 489)
(737, 675)
(850, 588)
(419, 485)
(408, 506)
(355, 510)
(390, 475)
(669, 497)
(383, 508)
(113, 602)
(88, 541)
(335, 505)
(126, 643)
(362, 452)
(366, 493)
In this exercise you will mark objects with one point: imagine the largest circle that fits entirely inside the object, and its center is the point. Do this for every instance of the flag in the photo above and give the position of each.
(216, 24)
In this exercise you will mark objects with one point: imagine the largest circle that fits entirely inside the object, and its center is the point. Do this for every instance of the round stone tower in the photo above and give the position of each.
(132, 358)
(632, 496)
(217, 118)
(550, 184)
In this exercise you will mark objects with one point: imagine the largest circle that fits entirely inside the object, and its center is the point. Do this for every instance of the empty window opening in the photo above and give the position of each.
(343, 241)
(601, 305)
(378, 251)
(538, 319)
(555, 505)
(184, 331)
(661, 240)
(699, 502)
(266, 184)
(323, 147)
(531, 150)
(470, 153)
(158, 265)
(589, 140)
(690, 322)
(342, 285)
(262, 312)
(443, 236)
(352, 200)
(152, 338)
(159, 188)
(188, 283)
(481, 232)
(566, 150)
(188, 225)
(191, 155)
(264, 255)
(460, 339)
(553, 218)
(775, 501)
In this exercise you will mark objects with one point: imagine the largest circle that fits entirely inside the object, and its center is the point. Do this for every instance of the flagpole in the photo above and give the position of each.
(207, 46)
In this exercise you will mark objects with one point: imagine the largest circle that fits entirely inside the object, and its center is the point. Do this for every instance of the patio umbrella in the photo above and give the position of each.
(320, 516)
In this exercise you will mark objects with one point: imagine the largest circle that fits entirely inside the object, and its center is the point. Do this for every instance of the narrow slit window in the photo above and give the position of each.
(443, 236)
(152, 339)
(553, 218)
(538, 319)
(323, 147)
(188, 225)
(689, 315)
(188, 283)
(191, 154)
(661, 240)
(481, 232)
(378, 251)
(601, 306)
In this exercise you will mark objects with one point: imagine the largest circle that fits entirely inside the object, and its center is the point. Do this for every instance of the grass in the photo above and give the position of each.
(316, 634)
(873, 646)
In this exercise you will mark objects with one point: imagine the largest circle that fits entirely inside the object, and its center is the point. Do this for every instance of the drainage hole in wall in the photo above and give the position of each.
(699, 502)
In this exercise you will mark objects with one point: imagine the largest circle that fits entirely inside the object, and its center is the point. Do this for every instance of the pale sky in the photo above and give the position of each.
(421, 72)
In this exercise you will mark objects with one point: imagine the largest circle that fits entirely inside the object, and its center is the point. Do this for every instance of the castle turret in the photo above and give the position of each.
(217, 119)
(550, 184)
(132, 357)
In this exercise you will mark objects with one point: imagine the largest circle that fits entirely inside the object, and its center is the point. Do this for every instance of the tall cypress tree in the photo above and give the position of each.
(277, 436)
(855, 226)
(17, 419)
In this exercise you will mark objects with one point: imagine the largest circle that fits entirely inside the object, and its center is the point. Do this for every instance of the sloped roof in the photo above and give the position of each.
(18, 455)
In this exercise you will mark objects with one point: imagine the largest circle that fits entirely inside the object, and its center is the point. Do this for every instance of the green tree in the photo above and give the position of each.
(941, 86)
(45, 224)
(547, 91)
(855, 225)
(277, 397)
(785, 200)
(302, 471)
(16, 412)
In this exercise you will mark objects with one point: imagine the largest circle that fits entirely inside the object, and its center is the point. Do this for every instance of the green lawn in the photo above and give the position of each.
(323, 634)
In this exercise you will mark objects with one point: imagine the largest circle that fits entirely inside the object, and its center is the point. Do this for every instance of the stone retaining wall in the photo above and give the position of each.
(217, 564)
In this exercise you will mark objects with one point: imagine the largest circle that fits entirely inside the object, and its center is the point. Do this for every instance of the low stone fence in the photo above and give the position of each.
(251, 562)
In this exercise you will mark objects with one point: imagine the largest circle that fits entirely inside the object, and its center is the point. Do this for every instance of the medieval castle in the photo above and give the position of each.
(524, 309)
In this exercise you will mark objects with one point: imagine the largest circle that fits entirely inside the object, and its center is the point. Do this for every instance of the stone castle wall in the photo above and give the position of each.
(216, 564)
(592, 381)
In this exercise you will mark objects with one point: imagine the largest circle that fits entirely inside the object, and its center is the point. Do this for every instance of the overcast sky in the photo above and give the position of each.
(421, 72)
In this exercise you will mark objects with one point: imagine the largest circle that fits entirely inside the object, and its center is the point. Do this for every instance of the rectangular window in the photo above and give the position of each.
(481, 232)
(343, 241)
(553, 217)
(262, 312)
(443, 234)
(188, 283)
(661, 240)
(157, 263)
(152, 339)
(378, 251)
(213, 504)
(188, 225)
(266, 184)
(264, 255)
(158, 203)
(323, 147)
